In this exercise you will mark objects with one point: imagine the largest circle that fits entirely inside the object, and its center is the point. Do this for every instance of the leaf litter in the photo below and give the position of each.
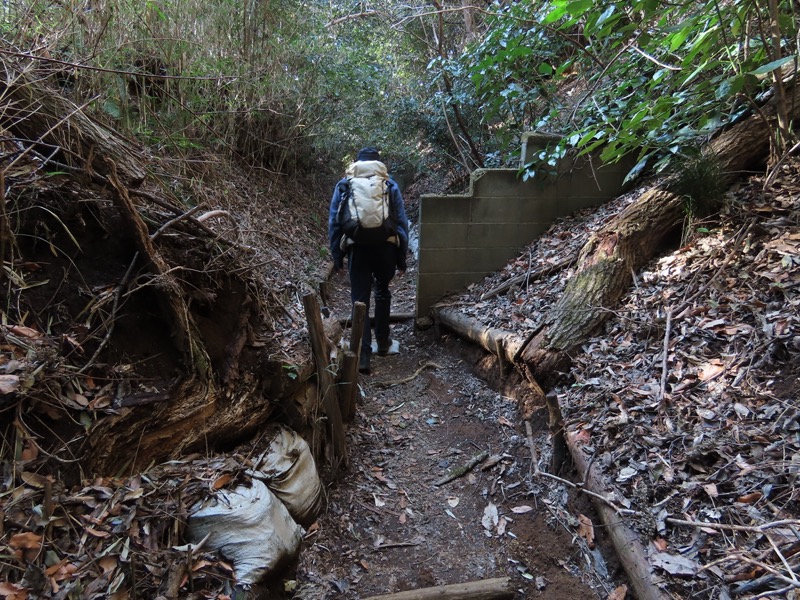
(688, 396)
(688, 399)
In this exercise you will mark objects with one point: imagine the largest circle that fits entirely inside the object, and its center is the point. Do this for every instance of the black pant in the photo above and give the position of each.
(373, 265)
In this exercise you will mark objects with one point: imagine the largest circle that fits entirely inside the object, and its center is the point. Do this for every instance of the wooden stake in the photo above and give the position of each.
(487, 589)
(348, 387)
(358, 323)
(555, 421)
(330, 403)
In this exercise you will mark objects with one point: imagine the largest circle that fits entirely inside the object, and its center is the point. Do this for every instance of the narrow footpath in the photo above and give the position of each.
(440, 487)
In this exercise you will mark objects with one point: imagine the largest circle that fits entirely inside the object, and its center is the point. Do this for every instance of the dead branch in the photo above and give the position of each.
(412, 377)
(112, 316)
(464, 469)
(626, 542)
(528, 277)
(352, 17)
(172, 222)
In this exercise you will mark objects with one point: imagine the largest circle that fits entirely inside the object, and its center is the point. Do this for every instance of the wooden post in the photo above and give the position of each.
(348, 386)
(359, 322)
(630, 551)
(487, 589)
(323, 293)
(327, 387)
(555, 422)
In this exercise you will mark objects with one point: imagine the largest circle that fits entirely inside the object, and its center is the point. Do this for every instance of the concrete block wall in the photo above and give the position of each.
(463, 238)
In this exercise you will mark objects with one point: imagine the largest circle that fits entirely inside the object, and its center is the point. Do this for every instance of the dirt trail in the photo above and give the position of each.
(387, 527)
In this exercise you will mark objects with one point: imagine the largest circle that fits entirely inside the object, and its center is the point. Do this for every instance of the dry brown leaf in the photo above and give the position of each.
(34, 479)
(108, 563)
(11, 591)
(97, 532)
(201, 564)
(710, 370)
(30, 450)
(221, 481)
(24, 331)
(26, 540)
(619, 593)
(586, 529)
(503, 421)
(750, 498)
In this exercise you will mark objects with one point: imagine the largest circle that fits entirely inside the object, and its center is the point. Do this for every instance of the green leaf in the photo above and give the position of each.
(771, 66)
(557, 13)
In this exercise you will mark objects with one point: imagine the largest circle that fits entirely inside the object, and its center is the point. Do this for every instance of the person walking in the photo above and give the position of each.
(367, 223)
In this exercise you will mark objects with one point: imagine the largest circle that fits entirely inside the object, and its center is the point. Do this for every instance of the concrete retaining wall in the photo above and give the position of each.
(463, 238)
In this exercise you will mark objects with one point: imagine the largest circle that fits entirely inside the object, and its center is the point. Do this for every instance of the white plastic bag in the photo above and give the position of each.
(250, 527)
(288, 469)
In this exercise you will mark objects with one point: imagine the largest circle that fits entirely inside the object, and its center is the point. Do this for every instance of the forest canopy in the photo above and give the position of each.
(279, 84)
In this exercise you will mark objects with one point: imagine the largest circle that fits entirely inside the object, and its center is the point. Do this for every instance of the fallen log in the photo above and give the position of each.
(632, 555)
(487, 589)
(504, 344)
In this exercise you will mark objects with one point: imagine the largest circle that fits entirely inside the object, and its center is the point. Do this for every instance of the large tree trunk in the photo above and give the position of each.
(607, 261)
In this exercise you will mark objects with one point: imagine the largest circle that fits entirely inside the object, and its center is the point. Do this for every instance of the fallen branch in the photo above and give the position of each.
(662, 390)
(172, 222)
(575, 486)
(112, 317)
(726, 527)
(393, 318)
(464, 469)
(412, 377)
(528, 276)
(487, 589)
(629, 549)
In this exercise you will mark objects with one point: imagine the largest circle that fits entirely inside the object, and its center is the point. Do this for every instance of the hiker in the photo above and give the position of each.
(368, 224)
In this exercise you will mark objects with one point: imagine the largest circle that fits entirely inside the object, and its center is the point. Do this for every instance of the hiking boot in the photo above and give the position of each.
(384, 346)
(363, 363)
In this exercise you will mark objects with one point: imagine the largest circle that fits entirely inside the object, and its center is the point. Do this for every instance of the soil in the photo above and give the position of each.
(390, 524)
